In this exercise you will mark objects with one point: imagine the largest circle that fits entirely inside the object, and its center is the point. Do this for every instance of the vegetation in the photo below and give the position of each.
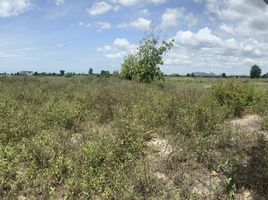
(90, 71)
(234, 95)
(255, 71)
(87, 138)
(144, 65)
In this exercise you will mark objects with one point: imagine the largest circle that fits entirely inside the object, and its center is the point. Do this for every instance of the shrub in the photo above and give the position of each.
(235, 95)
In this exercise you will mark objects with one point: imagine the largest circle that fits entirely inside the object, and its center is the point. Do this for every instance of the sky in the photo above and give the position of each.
(219, 36)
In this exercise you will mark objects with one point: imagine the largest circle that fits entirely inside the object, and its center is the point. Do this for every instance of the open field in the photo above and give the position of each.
(106, 138)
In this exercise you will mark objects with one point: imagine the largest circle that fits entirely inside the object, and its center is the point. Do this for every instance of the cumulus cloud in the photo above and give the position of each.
(247, 17)
(203, 38)
(102, 7)
(172, 17)
(10, 8)
(203, 50)
(99, 8)
(140, 24)
(120, 48)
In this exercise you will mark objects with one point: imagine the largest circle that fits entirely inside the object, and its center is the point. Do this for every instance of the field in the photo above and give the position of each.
(106, 138)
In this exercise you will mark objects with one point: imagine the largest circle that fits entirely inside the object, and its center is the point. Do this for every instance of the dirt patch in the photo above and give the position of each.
(159, 151)
(198, 182)
(251, 178)
(250, 124)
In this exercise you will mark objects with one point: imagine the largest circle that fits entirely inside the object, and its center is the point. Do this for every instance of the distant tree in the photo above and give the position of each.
(144, 65)
(188, 75)
(35, 74)
(69, 75)
(90, 71)
(192, 75)
(104, 73)
(116, 74)
(255, 71)
(62, 72)
(223, 75)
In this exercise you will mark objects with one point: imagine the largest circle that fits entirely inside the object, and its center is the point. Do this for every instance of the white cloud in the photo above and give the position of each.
(14, 7)
(103, 26)
(145, 12)
(121, 43)
(203, 38)
(170, 18)
(85, 25)
(173, 17)
(227, 29)
(99, 8)
(137, 2)
(247, 17)
(59, 2)
(205, 51)
(100, 25)
(140, 24)
(120, 48)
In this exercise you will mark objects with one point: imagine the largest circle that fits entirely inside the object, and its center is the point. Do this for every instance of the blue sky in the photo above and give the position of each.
(210, 35)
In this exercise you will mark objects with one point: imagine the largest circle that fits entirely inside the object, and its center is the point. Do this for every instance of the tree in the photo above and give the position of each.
(116, 74)
(129, 67)
(223, 75)
(255, 71)
(90, 71)
(144, 65)
(104, 73)
(62, 72)
(188, 75)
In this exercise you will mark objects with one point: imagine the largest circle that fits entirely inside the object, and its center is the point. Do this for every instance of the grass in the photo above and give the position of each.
(85, 137)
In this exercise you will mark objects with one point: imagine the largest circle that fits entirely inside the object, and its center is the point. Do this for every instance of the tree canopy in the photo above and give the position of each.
(144, 65)
(255, 71)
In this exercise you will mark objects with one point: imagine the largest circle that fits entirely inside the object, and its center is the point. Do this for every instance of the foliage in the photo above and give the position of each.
(86, 137)
(104, 73)
(90, 71)
(62, 72)
(144, 65)
(236, 96)
(255, 71)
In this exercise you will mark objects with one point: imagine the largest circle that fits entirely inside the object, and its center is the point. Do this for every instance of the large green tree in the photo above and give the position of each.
(255, 71)
(144, 66)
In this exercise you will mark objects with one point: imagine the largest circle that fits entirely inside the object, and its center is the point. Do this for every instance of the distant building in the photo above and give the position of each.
(27, 73)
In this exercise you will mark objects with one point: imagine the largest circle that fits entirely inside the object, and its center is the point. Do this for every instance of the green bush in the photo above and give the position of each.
(235, 95)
